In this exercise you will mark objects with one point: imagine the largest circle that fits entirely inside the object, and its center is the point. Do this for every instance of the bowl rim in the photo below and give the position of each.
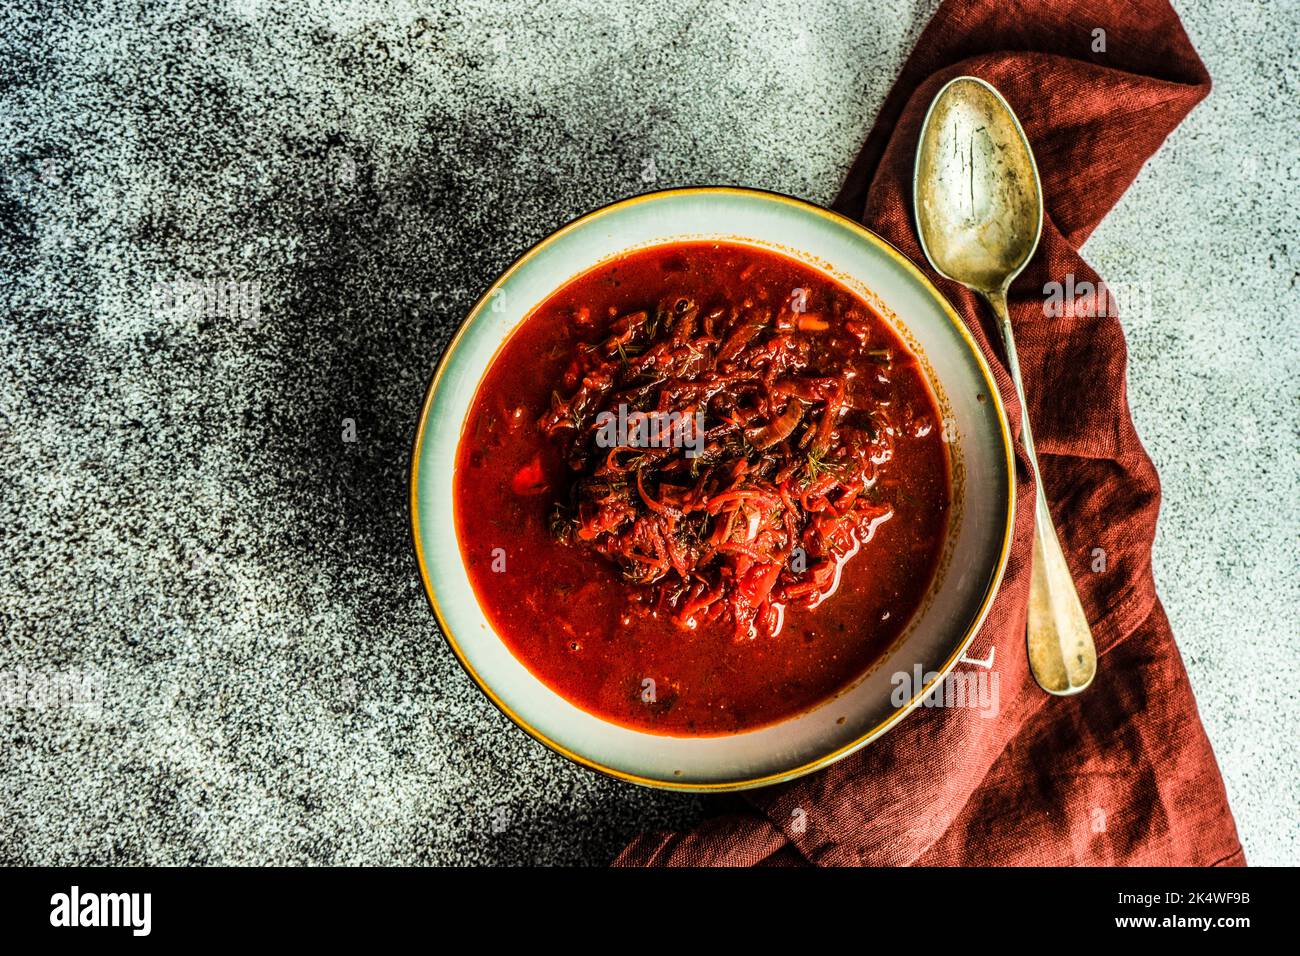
(986, 603)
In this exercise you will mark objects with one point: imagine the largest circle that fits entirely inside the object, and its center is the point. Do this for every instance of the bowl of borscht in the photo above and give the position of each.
(710, 489)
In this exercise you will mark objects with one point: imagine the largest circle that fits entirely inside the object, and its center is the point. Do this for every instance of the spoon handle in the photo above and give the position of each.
(1062, 654)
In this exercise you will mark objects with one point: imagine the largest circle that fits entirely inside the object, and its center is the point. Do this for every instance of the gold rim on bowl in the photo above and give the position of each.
(876, 730)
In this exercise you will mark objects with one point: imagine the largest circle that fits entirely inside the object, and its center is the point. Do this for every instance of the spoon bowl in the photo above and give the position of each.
(979, 204)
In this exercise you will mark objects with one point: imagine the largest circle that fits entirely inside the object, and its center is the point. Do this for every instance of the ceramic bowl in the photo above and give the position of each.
(974, 555)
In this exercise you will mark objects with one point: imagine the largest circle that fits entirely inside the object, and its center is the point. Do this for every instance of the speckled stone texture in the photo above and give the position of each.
(215, 645)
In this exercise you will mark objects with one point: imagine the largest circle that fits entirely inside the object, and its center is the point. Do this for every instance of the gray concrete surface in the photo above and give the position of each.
(223, 585)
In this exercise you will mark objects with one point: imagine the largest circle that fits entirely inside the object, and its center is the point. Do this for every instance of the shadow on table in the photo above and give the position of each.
(392, 255)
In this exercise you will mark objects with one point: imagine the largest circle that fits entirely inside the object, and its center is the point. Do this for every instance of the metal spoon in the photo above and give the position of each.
(979, 212)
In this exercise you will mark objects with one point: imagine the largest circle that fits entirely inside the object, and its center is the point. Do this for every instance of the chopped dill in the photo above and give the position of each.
(816, 465)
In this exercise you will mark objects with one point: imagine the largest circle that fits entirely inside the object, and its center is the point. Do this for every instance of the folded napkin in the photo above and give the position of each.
(1123, 773)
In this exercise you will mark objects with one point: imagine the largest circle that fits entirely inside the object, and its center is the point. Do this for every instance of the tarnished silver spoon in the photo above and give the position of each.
(979, 212)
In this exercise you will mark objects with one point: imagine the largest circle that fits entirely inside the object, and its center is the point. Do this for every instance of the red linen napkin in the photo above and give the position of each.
(1123, 773)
